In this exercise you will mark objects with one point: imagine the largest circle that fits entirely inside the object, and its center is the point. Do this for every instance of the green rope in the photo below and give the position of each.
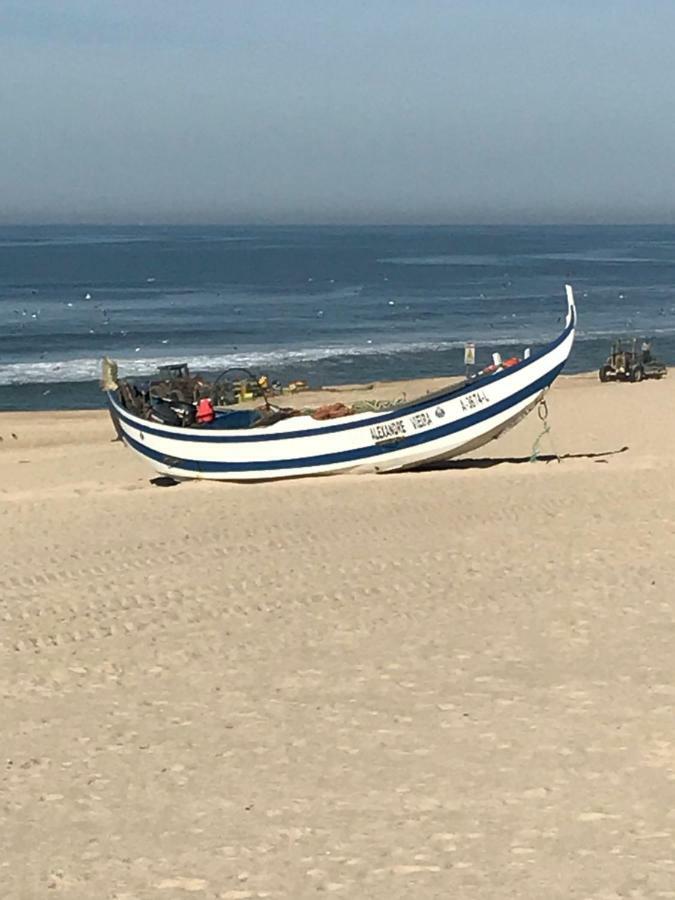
(542, 412)
(376, 405)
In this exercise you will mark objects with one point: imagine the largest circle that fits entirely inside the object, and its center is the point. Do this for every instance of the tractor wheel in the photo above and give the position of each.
(603, 374)
(637, 374)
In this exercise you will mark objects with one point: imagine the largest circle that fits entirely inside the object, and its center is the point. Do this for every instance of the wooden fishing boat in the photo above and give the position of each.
(237, 446)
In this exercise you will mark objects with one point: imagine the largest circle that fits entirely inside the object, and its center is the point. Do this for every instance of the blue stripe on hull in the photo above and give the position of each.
(355, 455)
(257, 435)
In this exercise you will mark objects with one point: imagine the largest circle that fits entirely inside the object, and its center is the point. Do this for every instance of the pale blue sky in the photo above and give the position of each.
(337, 110)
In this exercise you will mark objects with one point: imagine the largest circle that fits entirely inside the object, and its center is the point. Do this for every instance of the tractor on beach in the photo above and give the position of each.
(631, 361)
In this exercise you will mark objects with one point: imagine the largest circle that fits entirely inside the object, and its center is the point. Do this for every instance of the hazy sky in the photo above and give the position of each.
(337, 110)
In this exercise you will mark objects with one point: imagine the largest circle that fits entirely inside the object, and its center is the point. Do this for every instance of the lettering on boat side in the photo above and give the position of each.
(473, 400)
(387, 431)
(420, 420)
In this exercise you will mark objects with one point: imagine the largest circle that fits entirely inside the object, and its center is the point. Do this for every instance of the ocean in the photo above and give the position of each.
(329, 305)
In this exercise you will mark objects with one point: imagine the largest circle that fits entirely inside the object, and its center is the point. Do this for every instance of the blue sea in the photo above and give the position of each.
(329, 305)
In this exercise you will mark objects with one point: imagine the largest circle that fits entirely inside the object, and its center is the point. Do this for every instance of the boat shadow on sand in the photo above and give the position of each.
(488, 462)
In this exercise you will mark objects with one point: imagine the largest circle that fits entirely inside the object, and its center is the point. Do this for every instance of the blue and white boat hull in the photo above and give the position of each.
(435, 427)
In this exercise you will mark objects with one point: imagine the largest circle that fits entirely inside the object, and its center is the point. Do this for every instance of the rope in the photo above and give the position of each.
(542, 412)
(377, 405)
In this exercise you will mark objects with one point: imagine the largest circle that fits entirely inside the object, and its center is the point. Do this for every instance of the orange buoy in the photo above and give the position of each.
(205, 411)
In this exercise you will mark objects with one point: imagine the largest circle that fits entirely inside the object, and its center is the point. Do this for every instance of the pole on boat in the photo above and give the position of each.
(469, 357)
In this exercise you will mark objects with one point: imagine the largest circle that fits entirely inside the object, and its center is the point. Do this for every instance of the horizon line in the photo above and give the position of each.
(346, 224)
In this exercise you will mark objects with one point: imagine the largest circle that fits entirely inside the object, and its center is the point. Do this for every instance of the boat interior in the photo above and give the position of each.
(141, 401)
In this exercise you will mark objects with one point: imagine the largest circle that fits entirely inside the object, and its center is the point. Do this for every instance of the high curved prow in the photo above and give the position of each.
(571, 319)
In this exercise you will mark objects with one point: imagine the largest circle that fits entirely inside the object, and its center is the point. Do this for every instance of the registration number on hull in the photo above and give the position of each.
(474, 400)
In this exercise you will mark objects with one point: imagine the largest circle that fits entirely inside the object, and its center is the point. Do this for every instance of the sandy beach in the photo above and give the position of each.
(457, 683)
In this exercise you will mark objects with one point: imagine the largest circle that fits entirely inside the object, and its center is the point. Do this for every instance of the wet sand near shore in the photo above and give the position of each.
(451, 683)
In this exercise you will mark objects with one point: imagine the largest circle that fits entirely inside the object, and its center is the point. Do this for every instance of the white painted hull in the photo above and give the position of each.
(432, 428)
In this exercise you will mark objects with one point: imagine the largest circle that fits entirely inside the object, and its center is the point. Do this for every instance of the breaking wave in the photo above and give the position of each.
(89, 368)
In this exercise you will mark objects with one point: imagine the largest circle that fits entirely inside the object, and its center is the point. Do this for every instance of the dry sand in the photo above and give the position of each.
(453, 684)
